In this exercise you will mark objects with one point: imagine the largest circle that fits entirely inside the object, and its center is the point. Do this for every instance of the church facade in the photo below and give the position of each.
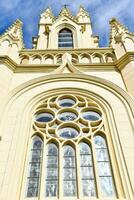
(67, 111)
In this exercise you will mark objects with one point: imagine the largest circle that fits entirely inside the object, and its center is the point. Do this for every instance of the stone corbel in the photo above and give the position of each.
(83, 28)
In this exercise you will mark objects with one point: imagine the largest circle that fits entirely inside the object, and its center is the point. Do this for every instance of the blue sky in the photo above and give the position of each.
(101, 11)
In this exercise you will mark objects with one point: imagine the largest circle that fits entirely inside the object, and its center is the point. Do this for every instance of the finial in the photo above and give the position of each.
(66, 5)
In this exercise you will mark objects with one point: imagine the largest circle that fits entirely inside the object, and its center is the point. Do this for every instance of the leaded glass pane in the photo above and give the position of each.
(68, 132)
(102, 154)
(52, 173)
(69, 188)
(88, 188)
(44, 117)
(107, 186)
(67, 116)
(87, 173)
(37, 144)
(69, 162)
(68, 151)
(91, 115)
(66, 102)
(51, 188)
(69, 171)
(86, 160)
(34, 167)
(32, 190)
(52, 170)
(35, 170)
(84, 148)
(104, 168)
(100, 142)
(52, 149)
(52, 162)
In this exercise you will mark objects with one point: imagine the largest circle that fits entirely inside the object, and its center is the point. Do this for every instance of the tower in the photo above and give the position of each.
(67, 107)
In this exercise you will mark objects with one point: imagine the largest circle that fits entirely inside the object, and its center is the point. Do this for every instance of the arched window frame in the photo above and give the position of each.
(35, 165)
(79, 193)
(65, 38)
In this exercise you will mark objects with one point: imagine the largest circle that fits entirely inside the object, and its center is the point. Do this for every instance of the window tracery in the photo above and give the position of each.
(70, 122)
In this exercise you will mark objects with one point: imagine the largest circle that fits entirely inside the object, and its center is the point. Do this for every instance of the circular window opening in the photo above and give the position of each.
(68, 132)
(91, 115)
(44, 117)
(66, 102)
(67, 116)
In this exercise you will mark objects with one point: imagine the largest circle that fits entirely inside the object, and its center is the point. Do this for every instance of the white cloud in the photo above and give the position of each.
(8, 5)
(101, 12)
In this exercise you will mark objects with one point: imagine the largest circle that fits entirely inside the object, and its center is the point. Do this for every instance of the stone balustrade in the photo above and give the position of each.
(51, 57)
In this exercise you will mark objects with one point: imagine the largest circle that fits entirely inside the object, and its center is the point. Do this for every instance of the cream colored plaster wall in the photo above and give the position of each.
(128, 75)
(112, 76)
(20, 78)
(15, 129)
(5, 80)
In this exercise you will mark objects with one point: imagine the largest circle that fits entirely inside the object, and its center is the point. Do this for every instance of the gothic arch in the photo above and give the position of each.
(29, 94)
(70, 27)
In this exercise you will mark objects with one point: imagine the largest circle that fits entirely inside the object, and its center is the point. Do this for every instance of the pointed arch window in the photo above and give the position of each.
(104, 167)
(65, 38)
(52, 171)
(33, 179)
(87, 171)
(77, 161)
(69, 171)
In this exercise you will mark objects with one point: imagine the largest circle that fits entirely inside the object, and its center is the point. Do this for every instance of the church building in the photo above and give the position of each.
(67, 111)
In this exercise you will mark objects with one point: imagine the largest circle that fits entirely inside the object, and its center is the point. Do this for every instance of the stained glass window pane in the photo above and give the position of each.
(87, 173)
(68, 132)
(67, 116)
(68, 151)
(66, 102)
(51, 188)
(104, 168)
(91, 115)
(88, 188)
(107, 186)
(44, 117)
(69, 171)
(35, 167)
(33, 184)
(102, 154)
(52, 171)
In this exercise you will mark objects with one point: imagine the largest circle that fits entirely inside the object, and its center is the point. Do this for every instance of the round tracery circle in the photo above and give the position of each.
(44, 117)
(68, 131)
(67, 115)
(66, 101)
(91, 115)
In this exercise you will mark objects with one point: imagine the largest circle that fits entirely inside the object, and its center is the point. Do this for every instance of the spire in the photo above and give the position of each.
(47, 15)
(65, 12)
(15, 32)
(82, 15)
(117, 30)
(120, 38)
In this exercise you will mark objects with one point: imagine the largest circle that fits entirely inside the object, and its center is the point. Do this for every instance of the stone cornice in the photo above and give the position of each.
(58, 51)
(124, 60)
(18, 68)
(8, 62)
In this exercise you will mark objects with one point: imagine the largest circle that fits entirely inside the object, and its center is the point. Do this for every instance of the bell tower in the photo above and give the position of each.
(49, 27)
